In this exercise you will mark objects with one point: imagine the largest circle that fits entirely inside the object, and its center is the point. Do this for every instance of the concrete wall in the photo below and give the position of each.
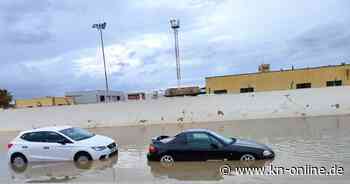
(280, 80)
(208, 108)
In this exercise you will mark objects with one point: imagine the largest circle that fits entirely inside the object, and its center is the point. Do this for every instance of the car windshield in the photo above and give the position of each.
(77, 134)
(226, 140)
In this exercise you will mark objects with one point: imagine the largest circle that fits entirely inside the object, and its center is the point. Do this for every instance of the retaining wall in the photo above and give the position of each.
(207, 108)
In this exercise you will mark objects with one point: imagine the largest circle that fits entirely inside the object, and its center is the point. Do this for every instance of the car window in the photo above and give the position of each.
(198, 140)
(179, 139)
(53, 137)
(215, 141)
(77, 134)
(226, 140)
(34, 137)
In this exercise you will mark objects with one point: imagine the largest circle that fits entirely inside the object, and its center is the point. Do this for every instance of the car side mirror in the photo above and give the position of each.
(214, 146)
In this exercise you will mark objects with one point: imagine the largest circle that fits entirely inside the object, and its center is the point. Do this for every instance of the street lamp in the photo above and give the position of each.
(100, 27)
(175, 25)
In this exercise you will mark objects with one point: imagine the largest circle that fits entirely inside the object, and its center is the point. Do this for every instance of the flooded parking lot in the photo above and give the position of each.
(318, 141)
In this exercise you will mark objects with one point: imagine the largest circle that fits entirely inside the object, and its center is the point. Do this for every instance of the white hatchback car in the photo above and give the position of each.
(59, 144)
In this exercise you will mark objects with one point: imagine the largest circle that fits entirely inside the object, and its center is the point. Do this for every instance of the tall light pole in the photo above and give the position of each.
(100, 27)
(175, 25)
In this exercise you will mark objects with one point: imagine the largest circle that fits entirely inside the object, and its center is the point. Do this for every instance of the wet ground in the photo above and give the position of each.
(320, 141)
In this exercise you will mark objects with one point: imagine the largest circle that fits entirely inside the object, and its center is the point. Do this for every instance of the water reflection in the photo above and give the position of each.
(320, 141)
(198, 171)
(53, 172)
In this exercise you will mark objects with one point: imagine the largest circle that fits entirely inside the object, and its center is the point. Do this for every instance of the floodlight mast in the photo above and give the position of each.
(100, 27)
(175, 25)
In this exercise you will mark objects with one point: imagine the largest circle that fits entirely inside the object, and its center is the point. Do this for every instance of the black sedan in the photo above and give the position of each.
(203, 145)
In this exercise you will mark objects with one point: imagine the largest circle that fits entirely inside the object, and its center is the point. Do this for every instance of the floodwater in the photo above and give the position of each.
(317, 141)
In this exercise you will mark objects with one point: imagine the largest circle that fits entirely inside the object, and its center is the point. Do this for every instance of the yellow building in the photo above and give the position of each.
(266, 80)
(43, 102)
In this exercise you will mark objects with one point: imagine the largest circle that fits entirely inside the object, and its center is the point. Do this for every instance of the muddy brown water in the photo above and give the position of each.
(317, 141)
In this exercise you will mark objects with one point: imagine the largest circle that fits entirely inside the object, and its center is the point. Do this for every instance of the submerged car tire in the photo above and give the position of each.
(167, 159)
(19, 162)
(247, 157)
(83, 160)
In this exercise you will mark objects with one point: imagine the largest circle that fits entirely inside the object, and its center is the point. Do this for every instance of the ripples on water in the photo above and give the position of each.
(319, 142)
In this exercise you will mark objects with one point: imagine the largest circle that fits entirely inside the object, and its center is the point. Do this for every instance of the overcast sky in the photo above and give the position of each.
(47, 47)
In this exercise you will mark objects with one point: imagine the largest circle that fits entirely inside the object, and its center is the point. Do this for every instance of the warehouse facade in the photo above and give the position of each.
(95, 96)
(43, 102)
(266, 80)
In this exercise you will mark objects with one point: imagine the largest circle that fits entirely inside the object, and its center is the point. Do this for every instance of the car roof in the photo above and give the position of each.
(50, 128)
(197, 130)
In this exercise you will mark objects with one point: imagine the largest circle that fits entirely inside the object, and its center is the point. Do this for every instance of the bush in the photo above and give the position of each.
(5, 98)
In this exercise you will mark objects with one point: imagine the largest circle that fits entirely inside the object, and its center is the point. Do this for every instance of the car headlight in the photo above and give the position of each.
(267, 153)
(99, 148)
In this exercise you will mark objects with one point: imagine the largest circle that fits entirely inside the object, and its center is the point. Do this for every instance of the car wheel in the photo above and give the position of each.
(247, 157)
(83, 160)
(19, 162)
(167, 159)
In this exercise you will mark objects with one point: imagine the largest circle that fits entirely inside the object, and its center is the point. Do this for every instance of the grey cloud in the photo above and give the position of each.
(36, 31)
(322, 35)
(322, 41)
(132, 54)
(25, 22)
(29, 38)
(205, 2)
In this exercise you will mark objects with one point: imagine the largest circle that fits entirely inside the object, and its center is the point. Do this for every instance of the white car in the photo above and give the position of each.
(59, 144)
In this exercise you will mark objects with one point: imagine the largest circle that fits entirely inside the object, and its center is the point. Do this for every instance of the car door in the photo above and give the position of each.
(178, 148)
(217, 150)
(59, 147)
(198, 146)
(36, 146)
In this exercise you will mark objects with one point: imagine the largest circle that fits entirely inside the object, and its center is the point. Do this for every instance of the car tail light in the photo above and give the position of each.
(152, 149)
(9, 145)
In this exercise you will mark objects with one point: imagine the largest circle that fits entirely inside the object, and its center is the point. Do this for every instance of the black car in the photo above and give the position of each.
(203, 145)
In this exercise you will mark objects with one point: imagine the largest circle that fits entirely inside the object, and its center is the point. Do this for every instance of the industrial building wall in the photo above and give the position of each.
(46, 101)
(63, 101)
(92, 97)
(207, 108)
(86, 99)
(279, 80)
(42, 102)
